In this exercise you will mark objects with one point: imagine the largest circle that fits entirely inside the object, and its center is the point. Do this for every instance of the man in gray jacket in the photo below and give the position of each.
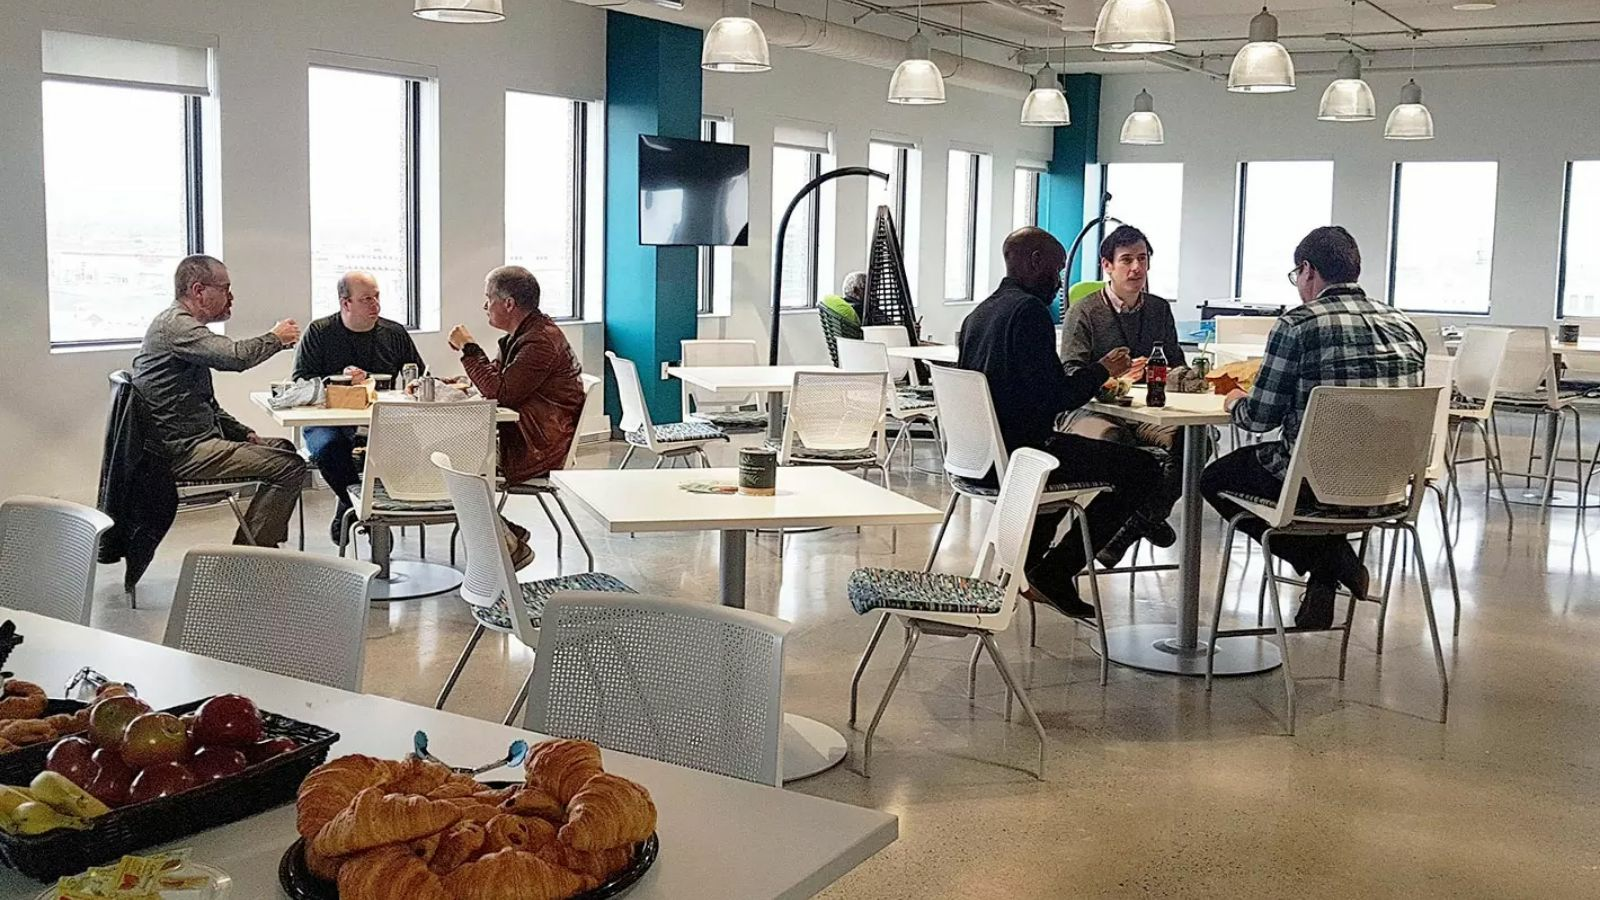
(1125, 314)
(172, 375)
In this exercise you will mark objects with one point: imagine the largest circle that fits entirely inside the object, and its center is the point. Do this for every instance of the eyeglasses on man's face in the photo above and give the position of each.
(1294, 275)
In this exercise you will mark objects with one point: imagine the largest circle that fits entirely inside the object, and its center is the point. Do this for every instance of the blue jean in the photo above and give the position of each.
(330, 449)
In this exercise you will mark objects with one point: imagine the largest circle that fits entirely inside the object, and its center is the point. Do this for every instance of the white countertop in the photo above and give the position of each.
(720, 837)
(651, 500)
(1181, 409)
(313, 416)
(941, 353)
(767, 379)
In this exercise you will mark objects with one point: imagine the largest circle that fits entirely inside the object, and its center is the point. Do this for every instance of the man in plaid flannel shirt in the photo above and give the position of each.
(1338, 336)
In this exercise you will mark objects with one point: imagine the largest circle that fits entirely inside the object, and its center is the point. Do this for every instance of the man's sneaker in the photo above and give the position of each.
(1316, 607)
(1072, 607)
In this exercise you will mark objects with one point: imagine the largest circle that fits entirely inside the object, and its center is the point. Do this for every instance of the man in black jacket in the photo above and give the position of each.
(1010, 338)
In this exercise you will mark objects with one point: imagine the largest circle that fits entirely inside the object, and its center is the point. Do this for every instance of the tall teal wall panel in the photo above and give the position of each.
(1077, 147)
(652, 88)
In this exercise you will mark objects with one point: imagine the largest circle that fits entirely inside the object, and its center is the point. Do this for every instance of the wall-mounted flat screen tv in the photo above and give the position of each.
(693, 193)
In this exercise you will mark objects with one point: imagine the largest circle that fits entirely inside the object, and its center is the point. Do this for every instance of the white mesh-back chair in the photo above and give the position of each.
(279, 611)
(733, 413)
(906, 408)
(900, 370)
(48, 552)
(679, 440)
(1363, 453)
(837, 419)
(1432, 328)
(491, 578)
(542, 487)
(1244, 329)
(980, 605)
(973, 450)
(1529, 383)
(399, 484)
(1480, 361)
(693, 684)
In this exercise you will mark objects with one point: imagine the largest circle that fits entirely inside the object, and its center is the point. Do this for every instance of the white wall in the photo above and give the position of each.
(1531, 121)
(848, 98)
(52, 414)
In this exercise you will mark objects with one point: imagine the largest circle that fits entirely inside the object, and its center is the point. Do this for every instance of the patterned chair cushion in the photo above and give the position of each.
(735, 420)
(872, 589)
(866, 456)
(535, 593)
(679, 433)
(974, 487)
(539, 485)
(382, 502)
(1317, 510)
(912, 401)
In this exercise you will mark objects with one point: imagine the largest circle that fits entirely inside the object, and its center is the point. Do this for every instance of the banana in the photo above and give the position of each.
(11, 798)
(58, 792)
(35, 817)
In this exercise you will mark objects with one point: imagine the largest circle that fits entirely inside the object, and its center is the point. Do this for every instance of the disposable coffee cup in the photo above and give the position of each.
(758, 471)
(1569, 334)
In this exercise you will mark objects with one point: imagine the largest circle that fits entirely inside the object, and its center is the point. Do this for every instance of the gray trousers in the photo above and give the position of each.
(274, 464)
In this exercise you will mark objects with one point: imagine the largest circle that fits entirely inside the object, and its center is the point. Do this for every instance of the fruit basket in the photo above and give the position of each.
(260, 787)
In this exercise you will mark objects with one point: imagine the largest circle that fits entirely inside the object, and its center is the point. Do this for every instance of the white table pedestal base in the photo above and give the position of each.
(810, 747)
(1154, 648)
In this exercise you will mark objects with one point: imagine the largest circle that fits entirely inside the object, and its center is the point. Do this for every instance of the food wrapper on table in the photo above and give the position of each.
(161, 876)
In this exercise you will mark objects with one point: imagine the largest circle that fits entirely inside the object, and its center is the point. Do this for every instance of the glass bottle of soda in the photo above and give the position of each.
(1155, 377)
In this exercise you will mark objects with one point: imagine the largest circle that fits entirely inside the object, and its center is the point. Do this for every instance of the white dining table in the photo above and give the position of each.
(774, 381)
(653, 500)
(396, 580)
(935, 353)
(720, 837)
(1181, 649)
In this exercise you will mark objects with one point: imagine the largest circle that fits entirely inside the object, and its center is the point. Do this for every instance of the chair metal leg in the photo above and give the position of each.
(1078, 513)
(949, 510)
(1033, 624)
(455, 533)
(915, 632)
(1350, 608)
(1222, 586)
(1011, 685)
(1492, 466)
(1388, 582)
(1271, 574)
(571, 523)
(460, 666)
(1433, 625)
(346, 526)
(422, 541)
(627, 456)
(522, 697)
(705, 461)
(244, 527)
(1449, 559)
(300, 514)
(861, 667)
(554, 526)
(972, 671)
(659, 461)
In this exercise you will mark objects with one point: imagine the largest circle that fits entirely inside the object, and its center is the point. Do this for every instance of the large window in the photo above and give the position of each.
(1025, 196)
(548, 204)
(1149, 196)
(1279, 202)
(1441, 246)
(799, 155)
(902, 193)
(366, 187)
(124, 181)
(968, 202)
(1580, 229)
(716, 263)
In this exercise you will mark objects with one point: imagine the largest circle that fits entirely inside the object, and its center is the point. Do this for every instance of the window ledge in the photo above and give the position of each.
(787, 310)
(120, 347)
(961, 302)
(715, 315)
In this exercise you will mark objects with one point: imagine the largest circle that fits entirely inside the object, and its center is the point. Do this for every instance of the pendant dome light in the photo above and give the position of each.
(917, 81)
(463, 12)
(1046, 104)
(1348, 98)
(1143, 126)
(1262, 66)
(735, 42)
(1135, 26)
(1409, 121)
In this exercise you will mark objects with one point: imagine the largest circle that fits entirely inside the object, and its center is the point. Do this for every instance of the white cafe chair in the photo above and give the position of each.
(837, 419)
(905, 408)
(733, 413)
(1474, 391)
(980, 605)
(688, 683)
(1364, 453)
(1244, 329)
(491, 578)
(1529, 383)
(279, 611)
(48, 554)
(675, 441)
(541, 487)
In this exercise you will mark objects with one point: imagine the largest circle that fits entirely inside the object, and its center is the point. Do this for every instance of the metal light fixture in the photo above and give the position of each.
(1262, 66)
(1348, 98)
(1143, 126)
(461, 12)
(1046, 104)
(1135, 26)
(1409, 121)
(916, 81)
(735, 42)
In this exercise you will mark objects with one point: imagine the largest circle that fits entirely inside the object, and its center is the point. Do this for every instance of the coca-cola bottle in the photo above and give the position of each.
(1155, 377)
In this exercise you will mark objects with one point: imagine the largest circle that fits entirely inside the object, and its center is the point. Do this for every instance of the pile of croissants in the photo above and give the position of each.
(416, 829)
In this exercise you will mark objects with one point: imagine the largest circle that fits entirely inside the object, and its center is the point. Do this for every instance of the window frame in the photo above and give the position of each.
(194, 137)
(1566, 225)
(1241, 205)
(974, 215)
(1033, 177)
(813, 277)
(706, 278)
(1394, 241)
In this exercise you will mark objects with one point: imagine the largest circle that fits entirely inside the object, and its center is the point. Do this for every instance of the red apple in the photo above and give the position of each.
(227, 720)
(111, 779)
(108, 718)
(154, 738)
(212, 763)
(74, 758)
(262, 751)
(161, 780)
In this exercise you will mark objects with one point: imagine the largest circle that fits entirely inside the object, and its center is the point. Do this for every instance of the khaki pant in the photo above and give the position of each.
(1140, 434)
(274, 464)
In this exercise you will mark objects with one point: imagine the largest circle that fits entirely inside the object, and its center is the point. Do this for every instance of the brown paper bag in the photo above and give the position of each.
(345, 396)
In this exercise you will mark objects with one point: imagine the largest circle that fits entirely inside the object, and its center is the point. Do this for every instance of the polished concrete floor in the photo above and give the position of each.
(1153, 787)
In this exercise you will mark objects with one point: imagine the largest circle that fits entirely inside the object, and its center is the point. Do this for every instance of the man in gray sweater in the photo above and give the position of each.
(1125, 314)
